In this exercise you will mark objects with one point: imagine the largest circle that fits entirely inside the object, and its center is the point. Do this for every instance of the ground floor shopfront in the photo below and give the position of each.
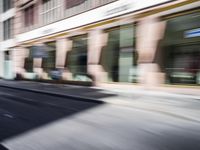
(102, 55)
(151, 50)
(181, 49)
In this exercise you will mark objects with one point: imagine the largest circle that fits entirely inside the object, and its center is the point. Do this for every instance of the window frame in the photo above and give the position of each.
(29, 11)
(8, 29)
(50, 10)
(7, 4)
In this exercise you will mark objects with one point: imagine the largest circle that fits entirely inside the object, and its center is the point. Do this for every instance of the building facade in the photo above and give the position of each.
(109, 41)
(7, 40)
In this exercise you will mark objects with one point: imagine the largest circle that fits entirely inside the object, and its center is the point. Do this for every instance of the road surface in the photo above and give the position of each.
(32, 121)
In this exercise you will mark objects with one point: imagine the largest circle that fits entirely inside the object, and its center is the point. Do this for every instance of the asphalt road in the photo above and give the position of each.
(31, 121)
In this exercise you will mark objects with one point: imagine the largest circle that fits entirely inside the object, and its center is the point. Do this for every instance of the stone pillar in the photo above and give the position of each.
(18, 56)
(63, 45)
(61, 50)
(97, 39)
(37, 66)
(149, 32)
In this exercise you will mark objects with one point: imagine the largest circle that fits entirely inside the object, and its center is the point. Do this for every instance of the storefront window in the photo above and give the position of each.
(48, 63)
(77, 58)
(119, 56)
(181, 45)
(28, 66)
(28, 62)
(110, 55)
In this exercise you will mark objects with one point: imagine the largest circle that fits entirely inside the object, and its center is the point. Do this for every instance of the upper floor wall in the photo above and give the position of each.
(7, 14)
(32, 14)
(113, 9)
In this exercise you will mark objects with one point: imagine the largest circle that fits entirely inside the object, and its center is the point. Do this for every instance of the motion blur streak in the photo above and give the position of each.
(113, 127)
(99, 74)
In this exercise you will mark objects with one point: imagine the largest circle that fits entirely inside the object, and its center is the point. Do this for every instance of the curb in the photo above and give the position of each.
(154, 93)
(77, 98)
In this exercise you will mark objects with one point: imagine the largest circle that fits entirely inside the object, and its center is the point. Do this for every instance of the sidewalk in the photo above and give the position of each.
(129, 90)
(104, 92)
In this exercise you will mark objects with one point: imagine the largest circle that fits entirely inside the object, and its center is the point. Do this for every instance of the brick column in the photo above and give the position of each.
(149, 32)
(96, 40)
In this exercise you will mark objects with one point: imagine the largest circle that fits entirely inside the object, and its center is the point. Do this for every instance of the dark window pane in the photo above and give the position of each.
(45, 1)
(7, 55)
(7, 4)
(49, 63)
(77, 58)
(29, 16)
(7, 27)
(72, 3)
(28, 65)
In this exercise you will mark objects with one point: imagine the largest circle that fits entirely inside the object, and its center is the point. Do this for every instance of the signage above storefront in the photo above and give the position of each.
(117, 10)
(126, 6)
(192, 33)
(47, 31)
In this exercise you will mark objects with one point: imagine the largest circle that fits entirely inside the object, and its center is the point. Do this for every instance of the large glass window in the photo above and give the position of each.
(181, 49)
(7, 4)
(77, 58)
(28, 62)
(8, 29)
(119, 57)
(48, 63)
(184, 64)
